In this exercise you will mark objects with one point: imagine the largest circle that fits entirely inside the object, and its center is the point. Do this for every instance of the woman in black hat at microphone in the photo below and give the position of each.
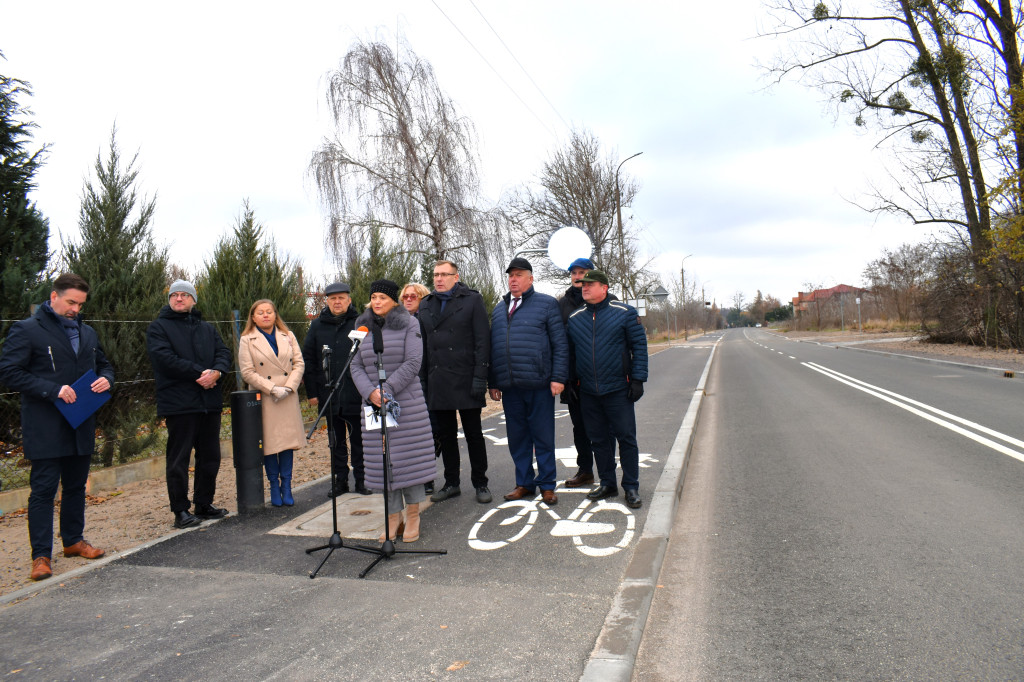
(396, 334)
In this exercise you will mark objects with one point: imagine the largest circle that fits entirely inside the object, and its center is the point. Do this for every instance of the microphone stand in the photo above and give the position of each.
(387, 549)
(335, 541)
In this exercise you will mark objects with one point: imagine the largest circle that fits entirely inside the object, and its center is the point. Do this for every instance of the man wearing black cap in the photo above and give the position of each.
(569, 302)
(529, 366)
(610, 352)
(331, 329)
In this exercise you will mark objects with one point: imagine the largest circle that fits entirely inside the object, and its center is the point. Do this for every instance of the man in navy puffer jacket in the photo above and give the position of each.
(529, 366)
(610, 350)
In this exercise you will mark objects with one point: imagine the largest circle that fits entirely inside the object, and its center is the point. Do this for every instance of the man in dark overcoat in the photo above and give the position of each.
(456, 360)
(331, 329)
(42, 357)
(189, 362)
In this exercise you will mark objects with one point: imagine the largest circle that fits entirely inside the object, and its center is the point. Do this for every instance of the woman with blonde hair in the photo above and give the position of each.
(271, 362)
(412, 294)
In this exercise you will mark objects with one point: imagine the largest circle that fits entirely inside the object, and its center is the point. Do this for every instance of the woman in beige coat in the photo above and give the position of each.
(271, 362)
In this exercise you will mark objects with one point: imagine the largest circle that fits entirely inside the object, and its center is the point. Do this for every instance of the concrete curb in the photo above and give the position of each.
(614, 654)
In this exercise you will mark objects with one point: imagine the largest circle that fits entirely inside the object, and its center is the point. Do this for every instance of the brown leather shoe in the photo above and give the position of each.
(579, 480)
(519, 493)
(84, 550)
(41, 568)
(549, 497)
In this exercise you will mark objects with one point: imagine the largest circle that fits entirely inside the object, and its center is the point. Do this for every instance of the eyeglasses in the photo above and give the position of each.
(410, 297)
(443, 274)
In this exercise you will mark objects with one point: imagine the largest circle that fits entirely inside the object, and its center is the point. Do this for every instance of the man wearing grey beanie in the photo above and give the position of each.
(189, 361)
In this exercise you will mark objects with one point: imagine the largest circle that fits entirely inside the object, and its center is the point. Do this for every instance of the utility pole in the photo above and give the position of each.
(622, 239)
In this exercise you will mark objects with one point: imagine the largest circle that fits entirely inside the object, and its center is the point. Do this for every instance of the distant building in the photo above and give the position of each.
(803, 301)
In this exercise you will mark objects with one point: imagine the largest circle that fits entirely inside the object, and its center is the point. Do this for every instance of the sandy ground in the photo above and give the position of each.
(137, 513)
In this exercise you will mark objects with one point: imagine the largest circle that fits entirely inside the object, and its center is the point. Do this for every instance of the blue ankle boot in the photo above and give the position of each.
(286, 457)
(273, 467)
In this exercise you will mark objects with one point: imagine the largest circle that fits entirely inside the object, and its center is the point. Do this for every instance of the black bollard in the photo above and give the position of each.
(247, 449)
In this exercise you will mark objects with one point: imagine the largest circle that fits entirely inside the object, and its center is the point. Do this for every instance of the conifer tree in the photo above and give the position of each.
(23, 228)
(126, 272)
(246, 267)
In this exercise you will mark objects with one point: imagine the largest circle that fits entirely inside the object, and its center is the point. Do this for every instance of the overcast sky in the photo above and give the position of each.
(224, 101)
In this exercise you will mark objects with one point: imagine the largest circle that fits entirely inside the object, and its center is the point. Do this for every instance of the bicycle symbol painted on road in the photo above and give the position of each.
(592, 536)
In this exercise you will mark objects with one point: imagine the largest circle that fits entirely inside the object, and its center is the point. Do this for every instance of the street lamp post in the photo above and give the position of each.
(682, 277)
(622, 239)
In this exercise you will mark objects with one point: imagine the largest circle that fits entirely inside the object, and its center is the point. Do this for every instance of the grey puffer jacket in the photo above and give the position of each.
(411, 442)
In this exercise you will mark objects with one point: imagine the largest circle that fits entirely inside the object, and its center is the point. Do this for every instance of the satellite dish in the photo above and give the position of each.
(567, 244)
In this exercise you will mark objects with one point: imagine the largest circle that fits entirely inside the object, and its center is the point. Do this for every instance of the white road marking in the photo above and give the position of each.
(911, 405)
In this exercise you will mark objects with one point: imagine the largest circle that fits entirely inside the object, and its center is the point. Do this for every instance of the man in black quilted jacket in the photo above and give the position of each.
(609, 348)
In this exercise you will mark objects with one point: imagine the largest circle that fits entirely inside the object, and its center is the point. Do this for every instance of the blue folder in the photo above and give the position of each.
(86, 401)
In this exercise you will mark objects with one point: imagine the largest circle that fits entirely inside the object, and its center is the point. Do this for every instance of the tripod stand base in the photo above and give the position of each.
(334, 543)
(388, 551)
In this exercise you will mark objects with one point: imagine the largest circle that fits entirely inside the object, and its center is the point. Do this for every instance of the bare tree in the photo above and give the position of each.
(576, 187)
(900, 278)
(402, 158)
(939, 80)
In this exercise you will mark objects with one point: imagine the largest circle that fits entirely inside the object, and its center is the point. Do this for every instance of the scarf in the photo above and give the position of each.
(71, 327)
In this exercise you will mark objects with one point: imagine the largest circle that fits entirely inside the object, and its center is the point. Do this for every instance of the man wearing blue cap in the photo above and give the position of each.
(570, 301)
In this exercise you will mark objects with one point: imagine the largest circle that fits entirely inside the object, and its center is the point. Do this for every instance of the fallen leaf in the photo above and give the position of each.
(360, 512)
(457, 665)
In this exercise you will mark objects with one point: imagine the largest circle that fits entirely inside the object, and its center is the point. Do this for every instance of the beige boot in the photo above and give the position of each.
(395, 526)
(412, 523)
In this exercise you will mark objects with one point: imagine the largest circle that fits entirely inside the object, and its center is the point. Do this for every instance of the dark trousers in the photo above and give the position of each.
(530, 425)
(71, 473)
(584, 453)
(185, 433)
(609, 418)
(345, 423)
(447, 433)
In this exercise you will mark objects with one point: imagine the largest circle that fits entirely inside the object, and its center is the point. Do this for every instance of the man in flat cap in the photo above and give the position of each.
(331, 329)
(611, 372)
(529, 366)
(189, 361)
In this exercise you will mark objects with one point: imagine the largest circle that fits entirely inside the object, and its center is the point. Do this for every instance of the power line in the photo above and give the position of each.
(511, 89)
(527, 73)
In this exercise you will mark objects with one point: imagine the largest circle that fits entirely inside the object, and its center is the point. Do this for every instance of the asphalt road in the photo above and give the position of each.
(234, 601)
(845, 516)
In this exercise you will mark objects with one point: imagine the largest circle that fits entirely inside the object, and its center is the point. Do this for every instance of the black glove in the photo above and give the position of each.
(570, 395)
(479, 389)
(636, 390)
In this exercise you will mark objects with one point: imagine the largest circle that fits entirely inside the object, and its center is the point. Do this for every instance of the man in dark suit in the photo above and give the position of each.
(456, 357)
(43, 356)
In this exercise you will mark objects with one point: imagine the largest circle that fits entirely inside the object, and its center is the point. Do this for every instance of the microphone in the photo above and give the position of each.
(378, 343)
(357, 336)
